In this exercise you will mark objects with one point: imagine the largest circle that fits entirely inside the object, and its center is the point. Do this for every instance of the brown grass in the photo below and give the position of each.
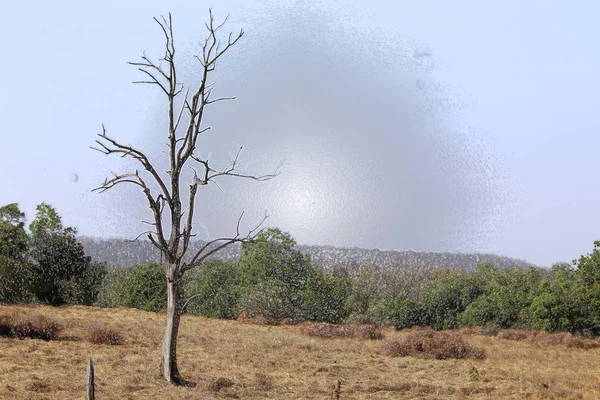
(31, 325)
(550, 339)
(514, 334)
(428, 343)
(355, 331)
(102, 334)
(260, 319)
(278, 362)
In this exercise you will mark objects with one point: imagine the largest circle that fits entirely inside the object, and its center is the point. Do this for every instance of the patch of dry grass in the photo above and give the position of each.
(102, 334)
(277, 362)
(429, 343)
(356, 331)
(26, 324)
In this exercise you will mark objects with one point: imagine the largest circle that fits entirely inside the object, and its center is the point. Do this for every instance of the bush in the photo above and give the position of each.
(141, 286)
(274, 276)
(428, 343)
(29, 325)
(507, 295)
(326, 296)
(405, 313)
(273, 300)
(14, 281)
(101, 334)
(448, 295)
(212, 289)
(567, 303)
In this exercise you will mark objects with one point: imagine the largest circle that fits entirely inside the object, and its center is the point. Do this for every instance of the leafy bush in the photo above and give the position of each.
(438, 304)
(325, 297)
(507, 295)
(272, 255)
(14, 244)
(212, 289)
(15, 281)
(588, 266)
(140, 286)
(273, 300)
(405, 313)
(566, 302)
(276, 280)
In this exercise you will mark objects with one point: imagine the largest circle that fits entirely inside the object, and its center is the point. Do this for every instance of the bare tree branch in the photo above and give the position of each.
(118, 148)
(203, 253)
(138, 236)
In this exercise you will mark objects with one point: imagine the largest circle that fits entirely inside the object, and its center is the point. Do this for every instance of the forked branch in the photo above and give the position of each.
(111, 146)
(206, 251)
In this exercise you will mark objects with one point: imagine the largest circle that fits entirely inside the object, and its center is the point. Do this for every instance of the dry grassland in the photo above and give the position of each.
(278, 362)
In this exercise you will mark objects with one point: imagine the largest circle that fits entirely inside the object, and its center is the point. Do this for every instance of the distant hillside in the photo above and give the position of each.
(121, 253)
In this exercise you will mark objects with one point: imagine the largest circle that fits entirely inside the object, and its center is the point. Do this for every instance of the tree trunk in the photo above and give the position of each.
(169, 344)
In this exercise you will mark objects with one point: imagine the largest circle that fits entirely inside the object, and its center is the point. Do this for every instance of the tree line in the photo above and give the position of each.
(275, 280)
(46, 265)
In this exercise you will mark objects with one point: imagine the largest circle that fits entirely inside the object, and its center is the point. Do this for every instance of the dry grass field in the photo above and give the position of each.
(278, 362)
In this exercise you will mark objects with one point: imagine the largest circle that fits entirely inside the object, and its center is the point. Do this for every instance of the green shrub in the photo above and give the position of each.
(274, 300)
(405, 313)
(272, 255)
(140, 286)
(212, 289)
(446, 297)
(15, 281)
(325, 297)
(507, 295)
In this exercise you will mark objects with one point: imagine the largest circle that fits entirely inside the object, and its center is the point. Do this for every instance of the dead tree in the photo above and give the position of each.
(186, 109)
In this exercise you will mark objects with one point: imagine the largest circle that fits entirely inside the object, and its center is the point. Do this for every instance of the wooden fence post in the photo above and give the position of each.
(90, 380)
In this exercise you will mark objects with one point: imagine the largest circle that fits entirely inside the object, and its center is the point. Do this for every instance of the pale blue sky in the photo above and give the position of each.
(496, 152)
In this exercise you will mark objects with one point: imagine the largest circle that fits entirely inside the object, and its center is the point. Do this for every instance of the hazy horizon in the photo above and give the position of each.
(462, 127)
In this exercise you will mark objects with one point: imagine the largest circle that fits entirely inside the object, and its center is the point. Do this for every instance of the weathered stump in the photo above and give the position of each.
(90, 380)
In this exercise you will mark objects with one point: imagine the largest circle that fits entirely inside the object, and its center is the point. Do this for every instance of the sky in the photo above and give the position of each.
(431, 125)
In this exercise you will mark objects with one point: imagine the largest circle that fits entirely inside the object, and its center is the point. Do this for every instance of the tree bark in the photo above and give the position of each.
(169, 344)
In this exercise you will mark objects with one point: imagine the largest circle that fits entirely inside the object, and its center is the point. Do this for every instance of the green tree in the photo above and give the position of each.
(273, 255)
(61, 272)
(569, 299)
(588, 266)
(14, 271)
(13, 237)
(277, 280)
